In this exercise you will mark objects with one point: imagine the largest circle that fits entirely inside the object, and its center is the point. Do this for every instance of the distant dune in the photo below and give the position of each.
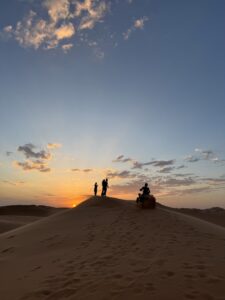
(14, 216)
(107, 248)
(214, 215)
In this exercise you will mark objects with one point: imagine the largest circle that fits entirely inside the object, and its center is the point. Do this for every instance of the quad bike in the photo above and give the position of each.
(146, 201)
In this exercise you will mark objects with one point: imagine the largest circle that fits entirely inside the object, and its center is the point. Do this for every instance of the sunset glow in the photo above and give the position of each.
(128, 90)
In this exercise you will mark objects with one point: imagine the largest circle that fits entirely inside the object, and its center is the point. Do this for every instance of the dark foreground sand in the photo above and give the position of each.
(109, 249)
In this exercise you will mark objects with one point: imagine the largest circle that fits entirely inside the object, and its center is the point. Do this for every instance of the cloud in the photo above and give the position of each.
(67, 47)
(191, 158)
(122, 159)
(139, 165)
(34, 31)
(183, 175)
(27, 150)
(8, 153)
(82, 170)
(54, 145)
(94, 12)
(120, 174)
(203, 155)
(8, 29)
(162, 163)
(166, 170)
(33, 165)
(13, 183)
(137, 24)
(209, 155)
(35, 160)
(214, 180)
(57, 9)
(65, 31)
(155, 163)
(174, 182)
(194, 190)
(181, 167)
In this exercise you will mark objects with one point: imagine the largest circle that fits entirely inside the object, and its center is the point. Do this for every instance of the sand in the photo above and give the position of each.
(214, 215)
(14, 216)
(110, 249)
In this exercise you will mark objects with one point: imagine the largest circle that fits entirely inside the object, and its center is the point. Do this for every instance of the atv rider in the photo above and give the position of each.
(145, 190)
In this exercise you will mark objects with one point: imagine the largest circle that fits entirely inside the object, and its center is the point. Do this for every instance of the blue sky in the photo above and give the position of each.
(100, 79)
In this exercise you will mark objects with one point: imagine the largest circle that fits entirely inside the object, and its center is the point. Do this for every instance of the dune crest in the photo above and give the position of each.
(107, 248)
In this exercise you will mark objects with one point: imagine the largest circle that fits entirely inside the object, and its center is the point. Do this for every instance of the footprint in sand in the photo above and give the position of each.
(35, 269)
(8, 250)
(170, 273)
(10, 237)
(190, 296)
(62, 294)
(117, 276)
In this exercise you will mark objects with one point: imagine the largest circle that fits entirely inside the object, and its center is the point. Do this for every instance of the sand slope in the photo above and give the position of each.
(109, 249)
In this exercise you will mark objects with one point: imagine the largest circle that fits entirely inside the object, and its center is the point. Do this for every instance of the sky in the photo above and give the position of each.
(131, 90)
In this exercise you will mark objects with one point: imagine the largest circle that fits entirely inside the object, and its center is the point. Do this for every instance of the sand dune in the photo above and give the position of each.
(214, 215)
(109, 249)
(14, 216)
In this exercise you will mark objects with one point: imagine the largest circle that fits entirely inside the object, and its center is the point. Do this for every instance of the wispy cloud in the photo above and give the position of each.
(54, 145)
(209, 155)
(191, 158)
(9, 153)
(155, 163)
(82, 170)
(29, 165)
(166, 170)
(137, 24)
(121, 174)
(13, 183)
(93, 10)
(67, 47)
(122, 159)
(201, 154)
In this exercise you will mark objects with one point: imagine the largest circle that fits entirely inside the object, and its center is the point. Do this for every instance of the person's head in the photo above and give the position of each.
(96, 183)
(106, 180)
(146, 184)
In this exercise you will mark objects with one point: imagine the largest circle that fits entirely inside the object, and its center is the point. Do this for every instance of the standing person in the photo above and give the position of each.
(106, 186)
(95, 188)
(103, 187)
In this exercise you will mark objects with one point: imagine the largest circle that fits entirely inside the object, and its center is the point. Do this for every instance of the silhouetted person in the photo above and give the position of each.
(104, 186)
(138, 198)
(96, 188)
(145, 190)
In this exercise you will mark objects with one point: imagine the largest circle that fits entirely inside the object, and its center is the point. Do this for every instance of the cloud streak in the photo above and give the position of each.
(82, 170)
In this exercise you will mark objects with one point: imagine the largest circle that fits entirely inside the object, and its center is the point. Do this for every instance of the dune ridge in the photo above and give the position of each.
(107, 248)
